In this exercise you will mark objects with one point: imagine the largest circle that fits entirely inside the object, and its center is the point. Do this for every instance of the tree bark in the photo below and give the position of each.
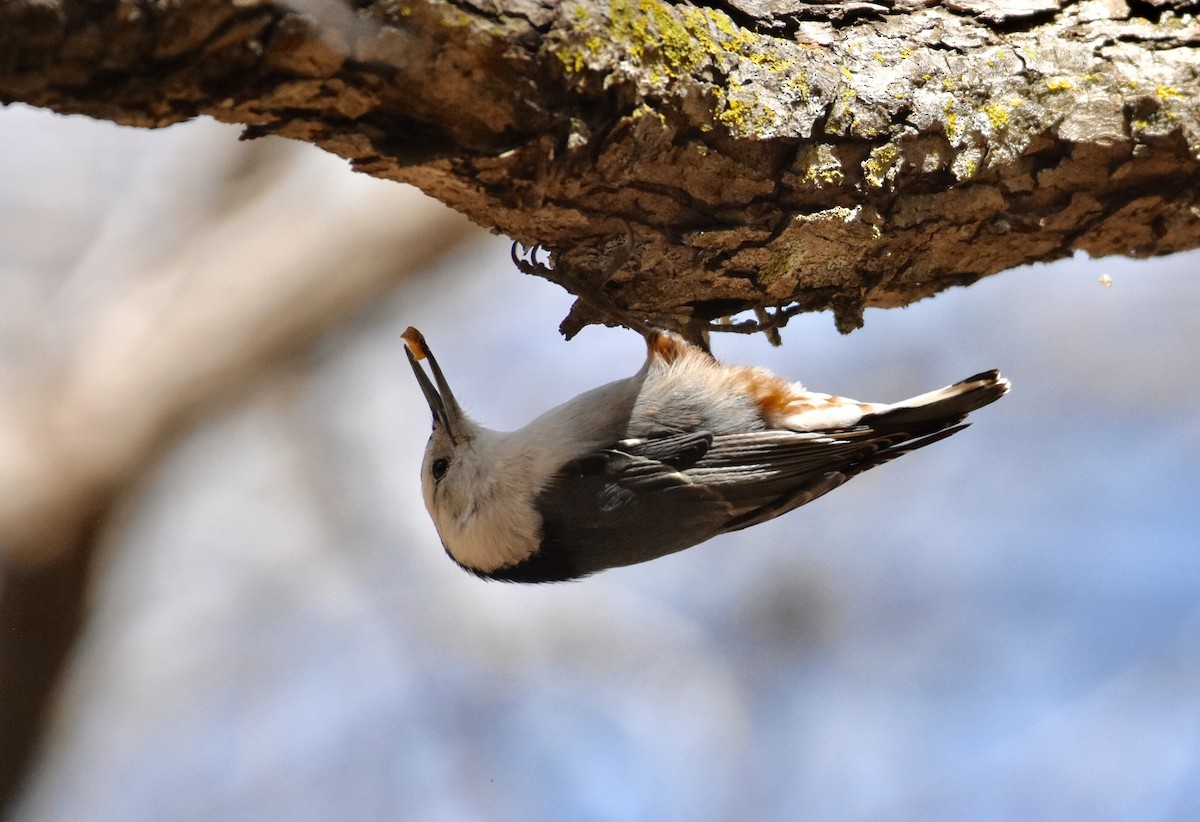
(683, 163)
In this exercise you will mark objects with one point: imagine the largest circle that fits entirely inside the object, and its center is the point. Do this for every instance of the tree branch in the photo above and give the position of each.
(764, 153)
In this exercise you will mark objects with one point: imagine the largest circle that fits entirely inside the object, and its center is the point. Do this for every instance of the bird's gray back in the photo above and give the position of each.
(692, 395)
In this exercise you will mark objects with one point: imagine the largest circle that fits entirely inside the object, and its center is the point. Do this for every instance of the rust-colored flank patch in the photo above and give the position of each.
(668, 347)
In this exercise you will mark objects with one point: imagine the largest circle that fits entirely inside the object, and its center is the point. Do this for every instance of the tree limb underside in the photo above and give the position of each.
(683, 163)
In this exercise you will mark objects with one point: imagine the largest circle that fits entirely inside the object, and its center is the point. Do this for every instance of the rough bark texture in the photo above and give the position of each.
(685, 162)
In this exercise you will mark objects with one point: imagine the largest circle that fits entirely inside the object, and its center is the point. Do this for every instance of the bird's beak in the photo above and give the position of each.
(441, 401)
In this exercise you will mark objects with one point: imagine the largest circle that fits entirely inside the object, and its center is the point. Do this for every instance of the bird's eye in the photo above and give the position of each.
(439, 467)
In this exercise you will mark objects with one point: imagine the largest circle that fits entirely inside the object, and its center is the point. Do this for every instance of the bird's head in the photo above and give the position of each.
(483, 524)
(453, 432)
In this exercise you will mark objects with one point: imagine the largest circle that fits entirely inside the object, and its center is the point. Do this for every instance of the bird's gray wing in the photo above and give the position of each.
(644, 498)
(763, 474)
(624, 504)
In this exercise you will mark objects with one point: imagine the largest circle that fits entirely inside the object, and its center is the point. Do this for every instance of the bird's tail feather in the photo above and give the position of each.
(937, 410)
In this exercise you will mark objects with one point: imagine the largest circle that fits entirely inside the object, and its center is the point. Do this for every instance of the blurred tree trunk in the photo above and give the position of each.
(251, 290)
(41, 613)
(681, 163)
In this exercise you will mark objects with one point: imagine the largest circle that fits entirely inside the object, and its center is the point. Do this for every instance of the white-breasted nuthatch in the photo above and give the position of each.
(685, 449)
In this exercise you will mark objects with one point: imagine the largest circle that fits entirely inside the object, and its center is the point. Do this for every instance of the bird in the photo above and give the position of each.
(685, 449)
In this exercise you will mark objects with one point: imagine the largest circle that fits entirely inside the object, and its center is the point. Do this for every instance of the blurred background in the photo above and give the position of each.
(202, 382)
